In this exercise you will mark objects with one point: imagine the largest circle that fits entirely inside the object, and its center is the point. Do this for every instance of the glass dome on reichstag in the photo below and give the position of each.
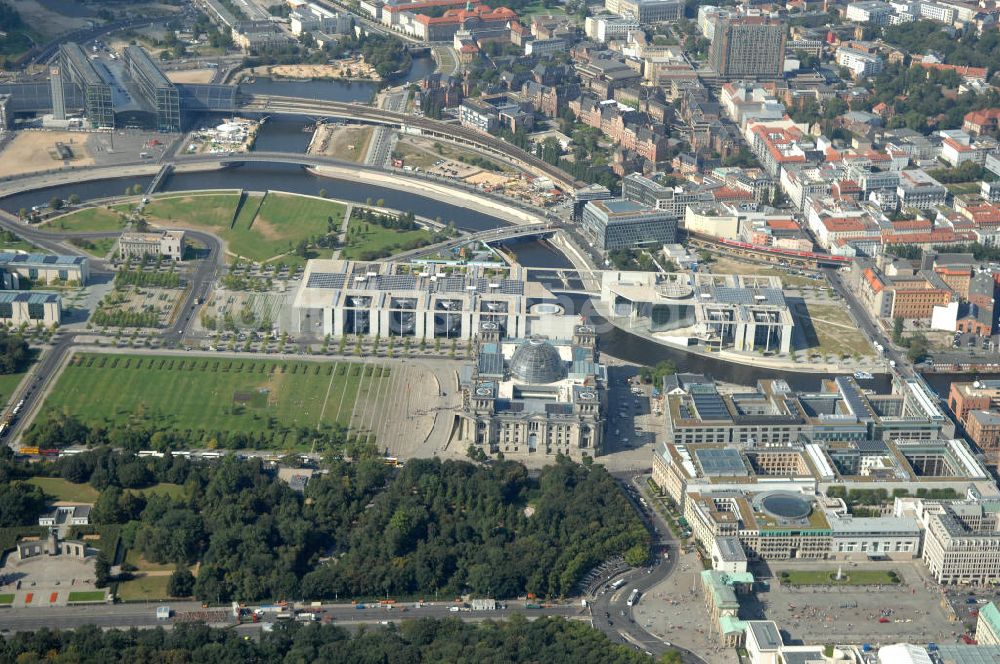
(537, 361)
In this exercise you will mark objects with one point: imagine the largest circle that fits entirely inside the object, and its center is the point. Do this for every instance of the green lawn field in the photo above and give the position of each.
(88, 596)
(98, 247)
(144, 588)
(850, 577)
(209, 211)
(61, 489)
(6, 598)
(207, 394)
(89, 220)
(283, 220)
(135, 558)
(281, 223)
(378, 239)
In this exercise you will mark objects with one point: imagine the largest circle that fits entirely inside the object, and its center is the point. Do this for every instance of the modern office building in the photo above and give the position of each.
(30, 308)
(648, 11)
(623, 224)
(673, 199)
(83, 73)
(815, 467)
(6, 117)
(783, 525)
(919, 190)
(58, 93)
(424, 301)
(42, 269)
(736, 312)
(962, 541)
(875, 12)
(534, 397)
(862, 59)
(748, 47)
(773, 415)
(609, 27)
(160, 94)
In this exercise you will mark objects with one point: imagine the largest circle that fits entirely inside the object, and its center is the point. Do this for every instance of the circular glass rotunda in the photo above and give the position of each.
(536, 361)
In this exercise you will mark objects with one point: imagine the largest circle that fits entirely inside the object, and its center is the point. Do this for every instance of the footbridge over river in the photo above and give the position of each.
(489, 236)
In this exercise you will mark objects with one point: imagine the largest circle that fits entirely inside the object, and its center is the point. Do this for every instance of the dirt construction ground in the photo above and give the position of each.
(32, 151)
(349, 143)
(191, 75)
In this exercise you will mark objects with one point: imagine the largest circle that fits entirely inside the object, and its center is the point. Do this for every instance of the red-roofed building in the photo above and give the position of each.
(830, 223)
(982, 122)
(728, 194)
(930, 239)
(985, 215)
(966, 72)
(904, 226)
(776, 146)
(415, 19)
(846, 190)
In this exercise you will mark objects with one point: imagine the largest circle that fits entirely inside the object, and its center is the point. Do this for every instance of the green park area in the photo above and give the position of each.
(6, 598)
(261, 231)
(60, 489)
(209, 211)
(143, 588)
(834, 330)
(134, 558)
(367, 240)
(88, 220)
(849, 577)
(220, 397)
(281, 223)
(12, 242)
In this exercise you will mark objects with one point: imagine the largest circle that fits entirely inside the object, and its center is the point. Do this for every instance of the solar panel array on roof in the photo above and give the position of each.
(326, 280)
(39, 259)
(720, 461)
(852, 397)
(396, 282)
(730, 295)
(511, 287)
(31, 297)
(872, 446)
(451, 285)
(710, 406)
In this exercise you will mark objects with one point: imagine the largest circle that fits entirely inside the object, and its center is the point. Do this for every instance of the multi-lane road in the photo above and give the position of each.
(144, 615)
(611, 613)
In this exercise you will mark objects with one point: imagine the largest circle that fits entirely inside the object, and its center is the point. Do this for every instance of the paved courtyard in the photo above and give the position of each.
(674, 611)
(45, 580)
(850, 614)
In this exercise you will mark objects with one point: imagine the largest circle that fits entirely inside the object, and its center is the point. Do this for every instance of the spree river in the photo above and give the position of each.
(286, 134)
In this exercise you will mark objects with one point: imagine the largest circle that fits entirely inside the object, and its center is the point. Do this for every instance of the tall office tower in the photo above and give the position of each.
(159, 93)
(748, 47)
(58, 94)
(97, 96)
